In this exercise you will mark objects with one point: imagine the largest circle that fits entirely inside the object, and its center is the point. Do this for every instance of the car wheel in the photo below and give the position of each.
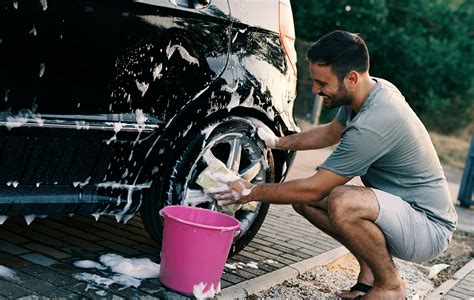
(234, 142)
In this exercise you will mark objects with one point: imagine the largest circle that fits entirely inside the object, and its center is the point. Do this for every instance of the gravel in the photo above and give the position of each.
(324, 281)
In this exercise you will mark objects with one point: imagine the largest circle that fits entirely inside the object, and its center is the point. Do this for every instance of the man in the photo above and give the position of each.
(404, 210)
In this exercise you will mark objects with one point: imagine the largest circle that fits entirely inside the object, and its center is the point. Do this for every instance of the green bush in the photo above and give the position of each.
(425, 47)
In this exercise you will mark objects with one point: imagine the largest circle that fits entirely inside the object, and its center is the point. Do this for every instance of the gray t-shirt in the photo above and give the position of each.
(387, 145)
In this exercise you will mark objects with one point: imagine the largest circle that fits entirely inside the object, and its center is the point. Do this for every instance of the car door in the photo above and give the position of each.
(86, 84)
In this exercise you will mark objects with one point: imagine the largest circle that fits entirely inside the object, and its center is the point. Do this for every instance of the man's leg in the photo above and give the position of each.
(317, 215)
(352, 211)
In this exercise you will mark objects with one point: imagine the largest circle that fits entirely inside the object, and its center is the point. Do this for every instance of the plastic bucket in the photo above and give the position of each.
(195, 246)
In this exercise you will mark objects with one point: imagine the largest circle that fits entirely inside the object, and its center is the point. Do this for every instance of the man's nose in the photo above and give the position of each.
(315, 89)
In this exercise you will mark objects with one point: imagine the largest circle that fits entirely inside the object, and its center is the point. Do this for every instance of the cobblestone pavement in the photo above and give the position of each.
(43, 253)
(463, 289)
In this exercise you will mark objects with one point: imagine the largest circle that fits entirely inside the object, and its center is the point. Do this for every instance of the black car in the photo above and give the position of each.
(110, 107)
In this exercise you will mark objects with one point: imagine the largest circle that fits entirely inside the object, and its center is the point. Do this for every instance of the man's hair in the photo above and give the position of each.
(342, 51)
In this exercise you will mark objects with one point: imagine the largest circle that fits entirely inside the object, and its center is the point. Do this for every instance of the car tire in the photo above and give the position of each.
(235, 143)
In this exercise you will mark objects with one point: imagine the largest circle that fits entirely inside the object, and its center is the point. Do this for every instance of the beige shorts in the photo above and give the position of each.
(409, 233)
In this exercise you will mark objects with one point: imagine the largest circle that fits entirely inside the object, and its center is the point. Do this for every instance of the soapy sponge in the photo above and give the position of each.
(215, 178)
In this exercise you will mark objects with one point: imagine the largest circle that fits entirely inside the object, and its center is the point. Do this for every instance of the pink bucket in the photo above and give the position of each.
(196, 243)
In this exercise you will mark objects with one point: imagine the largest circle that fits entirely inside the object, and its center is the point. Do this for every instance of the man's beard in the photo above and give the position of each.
(341, 97)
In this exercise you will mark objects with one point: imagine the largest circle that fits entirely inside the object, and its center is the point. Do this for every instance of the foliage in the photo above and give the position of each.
(425, 47)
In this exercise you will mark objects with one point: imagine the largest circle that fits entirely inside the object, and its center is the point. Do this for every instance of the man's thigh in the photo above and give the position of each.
(409, 233)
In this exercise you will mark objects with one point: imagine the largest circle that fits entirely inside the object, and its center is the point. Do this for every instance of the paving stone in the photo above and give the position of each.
(73, 231)
(144, 240)
(291, 246)
(259, 240)
(242, 273)
(119, 248)
(269, 250)
(43, 288)
(225, 284)
(250, 255)
(110, 226)
(281, 260)
(284, 249)
(292, 257)
(11, 248)
(12, 261)
(118, 239)
(82, 243)
(39, 259)
(17, 226)
(232, 278)
(39, 227)
(149, 250)
(456, 294)
(12, 237)
(11, 290)
(54, 277)
(44, 239)
(46, 250)
(78, 251)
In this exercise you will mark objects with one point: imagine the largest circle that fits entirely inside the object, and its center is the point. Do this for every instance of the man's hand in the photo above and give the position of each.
(267, 135)
(237, 192)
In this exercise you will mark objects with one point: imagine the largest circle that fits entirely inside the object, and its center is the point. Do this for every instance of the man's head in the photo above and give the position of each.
(337, 61)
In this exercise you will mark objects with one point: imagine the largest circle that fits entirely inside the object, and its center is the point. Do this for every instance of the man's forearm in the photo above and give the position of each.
(295, 191)
(318, 137)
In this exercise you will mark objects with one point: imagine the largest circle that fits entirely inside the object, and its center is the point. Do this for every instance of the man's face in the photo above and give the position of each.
(326, 84)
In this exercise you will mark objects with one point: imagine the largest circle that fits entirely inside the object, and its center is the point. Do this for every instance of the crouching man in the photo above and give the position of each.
(404, 210)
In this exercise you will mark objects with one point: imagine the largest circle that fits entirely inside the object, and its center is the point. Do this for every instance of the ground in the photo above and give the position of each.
(459, 252)
(324, 281)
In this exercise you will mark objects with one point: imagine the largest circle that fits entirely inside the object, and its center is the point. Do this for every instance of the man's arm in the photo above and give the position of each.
(305, 190)
(321, 136)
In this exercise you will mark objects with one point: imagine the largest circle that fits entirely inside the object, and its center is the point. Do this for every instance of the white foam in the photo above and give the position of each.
(142, 87)
(42, 68)
(3, 219)
(94, 279)
(270, 261)
(8, 274)
(231, 266)
(33, 30)
(118, 126)
(195, 197)
(252, 265)
(128, 271)
(44, 4)
(89, 264)
(183, 52)
(198, 290)
(30, 218)
(135, 267)
(157, 72)
(141, 119)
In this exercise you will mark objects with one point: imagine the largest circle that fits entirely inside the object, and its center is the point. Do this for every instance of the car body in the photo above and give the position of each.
(110, 107)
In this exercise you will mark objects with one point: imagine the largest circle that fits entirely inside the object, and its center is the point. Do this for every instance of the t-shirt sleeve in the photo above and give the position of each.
(342, 115)
(356, 152)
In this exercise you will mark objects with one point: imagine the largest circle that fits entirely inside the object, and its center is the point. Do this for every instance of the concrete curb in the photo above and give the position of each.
(443, 289)
(266, 281)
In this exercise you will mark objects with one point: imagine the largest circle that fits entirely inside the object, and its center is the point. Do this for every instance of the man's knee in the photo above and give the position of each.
(347, 202)
(337, 203)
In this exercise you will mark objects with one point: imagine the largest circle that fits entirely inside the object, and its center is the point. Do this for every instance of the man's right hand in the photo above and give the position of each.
(267, 136)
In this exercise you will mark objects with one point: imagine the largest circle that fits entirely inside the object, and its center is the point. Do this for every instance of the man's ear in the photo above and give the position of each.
(351, 80)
